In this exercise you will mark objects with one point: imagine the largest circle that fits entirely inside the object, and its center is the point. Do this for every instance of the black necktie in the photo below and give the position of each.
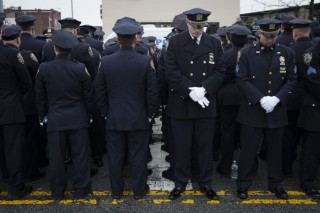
(195, 40)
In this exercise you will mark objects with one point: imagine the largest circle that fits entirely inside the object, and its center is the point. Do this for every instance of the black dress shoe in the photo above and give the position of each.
(37, 176)
(280, 193)
(82, 194)
(242, 193)
(168, 174)
(116, 197)
(150, 172)
(57, 196)
(313, 193)
(209, 193)
(98, 162)
(175, 193)
(93, 172)
(146, 191)
(21, 194)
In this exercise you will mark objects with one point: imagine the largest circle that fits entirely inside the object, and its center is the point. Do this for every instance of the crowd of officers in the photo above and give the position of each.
(255, 89)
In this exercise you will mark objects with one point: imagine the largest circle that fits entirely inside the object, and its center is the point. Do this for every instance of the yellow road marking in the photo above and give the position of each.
(25, 202)
(115, 202)
(160, 201)
(213, 202)
(261, 193)
(277, 201)
(189, 201)
(85, 201)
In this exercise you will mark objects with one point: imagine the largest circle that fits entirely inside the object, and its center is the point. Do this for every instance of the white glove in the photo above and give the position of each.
(268, 103)
(197, 93)
(204, 102)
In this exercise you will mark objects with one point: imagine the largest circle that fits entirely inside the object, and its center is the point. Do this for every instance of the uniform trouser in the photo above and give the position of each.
(290, 141)
(78, 140)
(250, 142)
(166, 123)
(229, 130)
(310, 157)
(97, 134)
(137, 143)
(188, 133)
(11, 138)
(30, 147)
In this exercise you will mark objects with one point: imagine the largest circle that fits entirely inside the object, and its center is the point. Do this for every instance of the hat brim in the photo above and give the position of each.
(198, 25)
(269, 34)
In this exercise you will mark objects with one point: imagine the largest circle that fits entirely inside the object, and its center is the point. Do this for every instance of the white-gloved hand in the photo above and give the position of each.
(197, 93)
(265, 104)
(274, 100)
(204, 102)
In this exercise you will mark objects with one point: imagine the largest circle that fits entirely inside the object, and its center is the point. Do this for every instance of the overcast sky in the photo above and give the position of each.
(88, 11)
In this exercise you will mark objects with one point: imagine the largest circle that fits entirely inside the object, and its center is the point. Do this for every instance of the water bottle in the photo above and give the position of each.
(234, 170)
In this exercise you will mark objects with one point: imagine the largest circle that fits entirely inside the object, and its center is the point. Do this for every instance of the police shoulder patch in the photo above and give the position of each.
(20, 58)
(239, 55)
(167, 45)
(307, 58)
(90, 51)
(33, 57)
(87, 72)
(152, 64)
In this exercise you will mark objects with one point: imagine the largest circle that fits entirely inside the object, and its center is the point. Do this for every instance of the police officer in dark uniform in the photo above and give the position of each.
(127, 103)
(82, 52)
(94, 43)
(229, 99)
(14, 83)
(179, 24)
(308, 120)
(64, 95)
(265, 74)
(285, 37)
(194, 71)
(28, 42)
(301, 31)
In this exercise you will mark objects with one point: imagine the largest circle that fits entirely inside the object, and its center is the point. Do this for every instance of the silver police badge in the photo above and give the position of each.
(20, 58)
(211, 58)
(239, 55)
(307, 58)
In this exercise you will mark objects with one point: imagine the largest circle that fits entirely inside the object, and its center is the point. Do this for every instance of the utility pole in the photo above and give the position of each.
(71, 8)
(1, 5)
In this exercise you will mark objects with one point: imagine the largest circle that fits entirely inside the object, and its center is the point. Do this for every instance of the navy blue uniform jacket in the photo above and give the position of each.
(64, 94)
(187, 65)
(14, 82)
(257, 78)
(126, 90)
(309, 115)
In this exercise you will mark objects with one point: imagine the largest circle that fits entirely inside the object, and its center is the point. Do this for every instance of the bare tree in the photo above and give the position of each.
(290, 4)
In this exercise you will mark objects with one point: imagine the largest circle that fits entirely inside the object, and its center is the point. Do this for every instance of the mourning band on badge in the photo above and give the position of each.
(90, 52)
(20, 58)
(211, 58)
(307, 58)
(33, 57)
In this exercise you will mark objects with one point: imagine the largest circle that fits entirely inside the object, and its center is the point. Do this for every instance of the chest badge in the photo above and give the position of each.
(211, 58)
(282, 61)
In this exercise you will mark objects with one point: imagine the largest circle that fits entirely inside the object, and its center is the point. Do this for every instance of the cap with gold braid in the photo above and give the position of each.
(197, 17)
(269, 27)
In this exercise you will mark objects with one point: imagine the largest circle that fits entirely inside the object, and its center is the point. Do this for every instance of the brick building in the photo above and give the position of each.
(45, 18)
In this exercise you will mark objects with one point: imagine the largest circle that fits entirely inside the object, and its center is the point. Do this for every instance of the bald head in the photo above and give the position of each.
(301, 33)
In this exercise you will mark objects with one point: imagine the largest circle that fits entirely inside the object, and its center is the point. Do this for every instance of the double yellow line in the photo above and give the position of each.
(158, 201)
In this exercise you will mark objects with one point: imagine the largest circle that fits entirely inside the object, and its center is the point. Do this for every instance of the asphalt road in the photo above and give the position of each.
(192, 200)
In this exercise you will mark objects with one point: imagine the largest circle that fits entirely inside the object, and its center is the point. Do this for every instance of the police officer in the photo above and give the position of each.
(194, 71)
(301, 31)
(179, 25)
(64, 95)
(82, 52)
(94, 43)
(285, 37)
(309, 121)
(127, 103)
(265, 74)
(28, 42)
(229, 99)
(14, 82)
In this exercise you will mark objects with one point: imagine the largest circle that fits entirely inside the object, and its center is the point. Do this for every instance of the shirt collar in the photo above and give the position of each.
(198, 39)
